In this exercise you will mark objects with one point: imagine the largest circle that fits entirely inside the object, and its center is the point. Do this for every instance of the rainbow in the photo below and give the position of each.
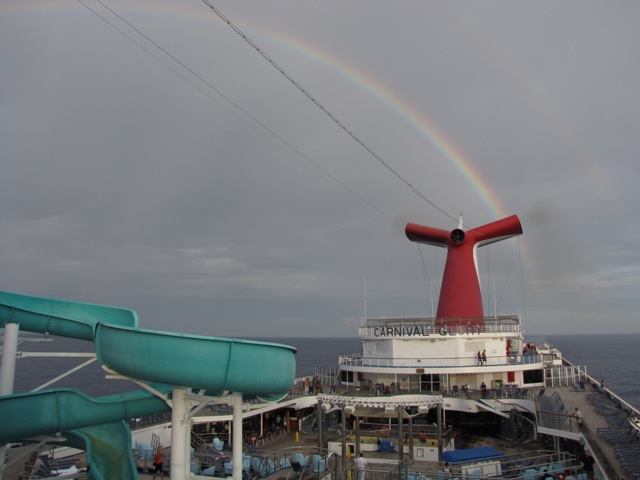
(428, 130)
(419, 122)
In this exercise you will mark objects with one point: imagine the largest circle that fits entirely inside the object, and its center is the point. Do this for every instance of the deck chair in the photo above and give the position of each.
(246, 465)
(297, 470)
(46, 467)
(581, 387)
(319, 463)
(263, 469)
(218, 444)
(300, 458)
(209, 472)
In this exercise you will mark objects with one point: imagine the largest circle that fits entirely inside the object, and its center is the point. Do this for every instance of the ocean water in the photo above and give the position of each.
(612, 358)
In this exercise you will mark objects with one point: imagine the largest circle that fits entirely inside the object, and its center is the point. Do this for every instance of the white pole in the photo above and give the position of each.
(237, 436)
(8, 371)
(8, 365)
(262, 424)
(187, 444)
(365, 302)
(179, 434)
(495, 307)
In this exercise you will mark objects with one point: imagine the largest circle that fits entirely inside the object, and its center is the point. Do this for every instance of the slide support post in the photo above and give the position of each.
(236, 400)
(180, 434)
(8, 371)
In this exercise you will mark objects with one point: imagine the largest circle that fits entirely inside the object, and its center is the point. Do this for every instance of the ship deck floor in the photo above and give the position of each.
(593, 420)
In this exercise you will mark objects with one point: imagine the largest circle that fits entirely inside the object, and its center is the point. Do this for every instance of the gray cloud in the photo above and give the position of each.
(129, 183)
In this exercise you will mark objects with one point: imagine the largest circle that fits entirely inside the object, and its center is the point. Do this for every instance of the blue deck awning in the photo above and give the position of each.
(471, 455)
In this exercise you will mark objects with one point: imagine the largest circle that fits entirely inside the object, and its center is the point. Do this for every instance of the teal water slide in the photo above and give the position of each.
(216, 365)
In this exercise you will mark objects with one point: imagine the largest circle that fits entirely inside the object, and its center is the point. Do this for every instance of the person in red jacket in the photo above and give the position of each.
(158, 457)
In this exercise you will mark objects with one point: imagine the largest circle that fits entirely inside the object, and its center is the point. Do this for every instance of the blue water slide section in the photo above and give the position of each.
(211, 363)
(47, 412)
(61, 317)
(108, 459)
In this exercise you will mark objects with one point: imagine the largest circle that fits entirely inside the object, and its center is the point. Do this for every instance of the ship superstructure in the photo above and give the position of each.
(460, 348)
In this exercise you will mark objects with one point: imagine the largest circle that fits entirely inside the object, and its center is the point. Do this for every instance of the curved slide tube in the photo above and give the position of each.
(95, 425)
(210, 363)
(110, 459)
(213, 364)
(48, 412)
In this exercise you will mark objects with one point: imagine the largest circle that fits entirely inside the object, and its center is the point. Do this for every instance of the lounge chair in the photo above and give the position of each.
(581, 387)
(209, 472)
(300, 458)
(46, 467)
(218, 444)
(319, 463)
(297, 470)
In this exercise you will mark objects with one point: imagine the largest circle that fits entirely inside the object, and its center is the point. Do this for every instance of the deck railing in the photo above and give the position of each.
(424, 327)
(357, 360)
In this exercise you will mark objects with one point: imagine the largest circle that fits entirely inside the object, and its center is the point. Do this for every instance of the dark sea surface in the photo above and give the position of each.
(613, 358)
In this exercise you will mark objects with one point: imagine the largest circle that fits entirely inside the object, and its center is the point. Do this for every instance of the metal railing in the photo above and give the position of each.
(515, 467)
(425, 326)
(357, 360)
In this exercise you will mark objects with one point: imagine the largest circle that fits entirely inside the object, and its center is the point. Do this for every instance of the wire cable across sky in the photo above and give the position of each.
(305, 92)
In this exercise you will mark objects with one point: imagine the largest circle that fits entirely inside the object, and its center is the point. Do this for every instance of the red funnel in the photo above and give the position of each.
(460, 296)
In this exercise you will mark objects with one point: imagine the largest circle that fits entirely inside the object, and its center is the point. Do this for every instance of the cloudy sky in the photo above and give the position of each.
(153, 159)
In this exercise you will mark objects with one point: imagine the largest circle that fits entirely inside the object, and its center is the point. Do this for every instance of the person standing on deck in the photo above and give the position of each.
(158, 457)
(588, 461)
(360, 464)
(578, 415)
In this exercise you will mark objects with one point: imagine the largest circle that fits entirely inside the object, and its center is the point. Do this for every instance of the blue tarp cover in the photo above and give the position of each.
(471, 455)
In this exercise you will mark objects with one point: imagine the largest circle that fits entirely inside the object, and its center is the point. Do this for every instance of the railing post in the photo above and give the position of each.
(439, 412)
(344, 439)
(400, 433)
(319, 421)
